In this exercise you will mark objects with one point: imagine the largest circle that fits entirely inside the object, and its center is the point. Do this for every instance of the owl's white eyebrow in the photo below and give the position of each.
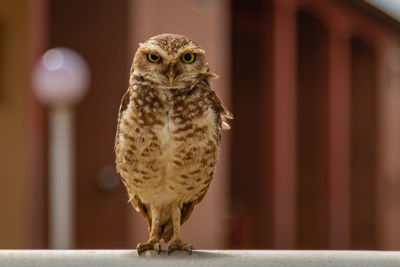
(152, 44)
(190, 50)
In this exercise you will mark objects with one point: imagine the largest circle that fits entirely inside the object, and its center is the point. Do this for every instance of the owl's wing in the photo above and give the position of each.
(224, 117)
(122, 107)
(133, 199)
(186, 211)
(187, 208)
(219, 108)
(124, 103)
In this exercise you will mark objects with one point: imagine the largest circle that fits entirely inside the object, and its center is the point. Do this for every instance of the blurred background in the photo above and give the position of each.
(313, 157)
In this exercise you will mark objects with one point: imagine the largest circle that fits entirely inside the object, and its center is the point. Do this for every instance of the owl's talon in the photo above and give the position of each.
(180, 246)
(148, 246)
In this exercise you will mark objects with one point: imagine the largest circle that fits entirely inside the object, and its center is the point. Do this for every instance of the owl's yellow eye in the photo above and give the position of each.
(189, 58)
(153, 58)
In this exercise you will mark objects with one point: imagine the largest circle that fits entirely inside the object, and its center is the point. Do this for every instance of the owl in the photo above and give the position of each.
(168, 135)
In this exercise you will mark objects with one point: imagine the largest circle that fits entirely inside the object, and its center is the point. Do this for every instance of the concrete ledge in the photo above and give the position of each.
(116, 258)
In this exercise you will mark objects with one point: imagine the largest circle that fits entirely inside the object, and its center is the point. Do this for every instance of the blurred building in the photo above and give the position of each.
(315, 94)
(312, 161)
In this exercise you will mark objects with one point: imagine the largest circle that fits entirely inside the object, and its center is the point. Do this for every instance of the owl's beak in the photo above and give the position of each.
(171, 74)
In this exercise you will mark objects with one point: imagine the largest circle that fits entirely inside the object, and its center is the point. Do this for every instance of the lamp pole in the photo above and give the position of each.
(61, 173)
(61, 79)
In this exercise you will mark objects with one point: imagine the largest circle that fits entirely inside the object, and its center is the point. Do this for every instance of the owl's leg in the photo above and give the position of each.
(154, 233)
(176, 239)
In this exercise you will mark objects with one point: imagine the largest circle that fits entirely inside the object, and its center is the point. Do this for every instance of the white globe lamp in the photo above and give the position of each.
(60, 80)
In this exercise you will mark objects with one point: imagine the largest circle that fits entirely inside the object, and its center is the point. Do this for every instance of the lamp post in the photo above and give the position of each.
(60, 80)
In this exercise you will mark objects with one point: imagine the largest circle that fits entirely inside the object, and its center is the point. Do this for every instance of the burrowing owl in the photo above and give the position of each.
(168, 135)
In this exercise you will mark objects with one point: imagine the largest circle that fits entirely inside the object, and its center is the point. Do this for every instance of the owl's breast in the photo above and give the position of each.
(193, 154)
(170, 160)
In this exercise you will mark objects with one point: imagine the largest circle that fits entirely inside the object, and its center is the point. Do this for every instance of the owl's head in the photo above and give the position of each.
(171, 61)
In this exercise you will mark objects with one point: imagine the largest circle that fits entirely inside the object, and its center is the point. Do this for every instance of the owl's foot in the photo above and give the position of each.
(180, 246)
(148, 246)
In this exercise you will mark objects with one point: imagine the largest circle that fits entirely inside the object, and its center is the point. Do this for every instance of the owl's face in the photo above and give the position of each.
(170, 61)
